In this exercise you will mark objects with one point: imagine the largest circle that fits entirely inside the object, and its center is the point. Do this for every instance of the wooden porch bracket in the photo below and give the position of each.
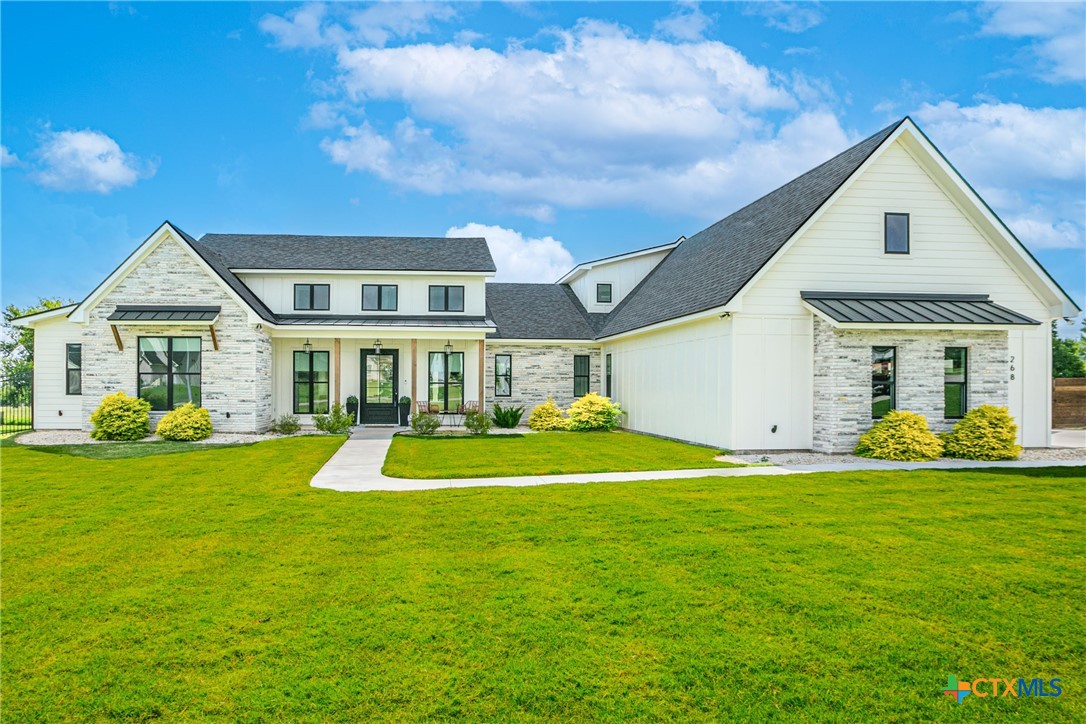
(117, 338)
(214, 337)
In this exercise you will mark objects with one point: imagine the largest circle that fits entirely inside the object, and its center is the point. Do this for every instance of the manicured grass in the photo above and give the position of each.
(541, 453)
(217, 583)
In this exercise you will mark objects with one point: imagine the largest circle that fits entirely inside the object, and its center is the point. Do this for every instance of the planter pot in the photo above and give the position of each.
(352, 410)
(404, 411)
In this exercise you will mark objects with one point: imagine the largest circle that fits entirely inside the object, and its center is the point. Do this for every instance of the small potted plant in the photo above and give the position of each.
(352, 408)
(405, 409)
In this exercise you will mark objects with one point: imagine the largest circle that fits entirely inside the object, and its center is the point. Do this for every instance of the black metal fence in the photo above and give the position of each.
(16, 403)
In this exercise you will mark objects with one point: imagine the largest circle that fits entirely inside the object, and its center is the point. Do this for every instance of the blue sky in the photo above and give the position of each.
(561, 131)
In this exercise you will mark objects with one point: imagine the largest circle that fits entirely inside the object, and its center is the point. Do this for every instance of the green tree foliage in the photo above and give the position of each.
(1069, 355)
(17, 343)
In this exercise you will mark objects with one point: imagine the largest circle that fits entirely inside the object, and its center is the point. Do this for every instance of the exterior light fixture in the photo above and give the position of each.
(377, 346)
(448, 347)
(307, 347)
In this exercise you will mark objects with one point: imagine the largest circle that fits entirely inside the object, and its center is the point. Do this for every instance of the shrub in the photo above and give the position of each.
(477, 423)
(120, 417)
(507, 417)
(286, 425)
(424, 423)
(902, 436)
(338, 422)
(547, 416)
(186, 423)
(985, 433)
(594, 412)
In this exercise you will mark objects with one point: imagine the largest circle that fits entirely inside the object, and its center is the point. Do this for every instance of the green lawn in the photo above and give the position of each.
(541, 453)
(218, 583)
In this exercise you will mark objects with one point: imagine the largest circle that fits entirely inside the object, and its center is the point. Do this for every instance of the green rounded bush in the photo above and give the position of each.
(902, 436)
(594, 412)
(547, 416)
(120, 417)
(185, 423)
(423, 423)
(985, 433)
(477, 423)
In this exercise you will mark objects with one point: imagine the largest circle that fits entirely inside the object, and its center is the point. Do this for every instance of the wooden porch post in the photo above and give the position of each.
(414, 373)
(335, 353)
(482, 373)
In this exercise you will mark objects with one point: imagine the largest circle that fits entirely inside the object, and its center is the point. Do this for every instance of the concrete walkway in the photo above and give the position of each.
(356, 468)
(1069, 438)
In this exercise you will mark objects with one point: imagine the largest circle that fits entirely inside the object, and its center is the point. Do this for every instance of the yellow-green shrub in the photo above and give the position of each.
(900, 435)
(985, 433)
(187, 422)
(547, 416)
(594, 412)
(120, 417)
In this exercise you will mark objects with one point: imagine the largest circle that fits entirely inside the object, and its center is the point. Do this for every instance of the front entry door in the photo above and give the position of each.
(379, 374)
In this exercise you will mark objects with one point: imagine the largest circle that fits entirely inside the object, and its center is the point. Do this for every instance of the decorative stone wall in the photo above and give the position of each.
(235, 379)
(842, 377)
(540, 371)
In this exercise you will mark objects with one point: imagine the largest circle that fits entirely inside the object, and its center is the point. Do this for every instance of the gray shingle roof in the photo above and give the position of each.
(872, 308)
(378, 253)
(707, 270)
(537, 311)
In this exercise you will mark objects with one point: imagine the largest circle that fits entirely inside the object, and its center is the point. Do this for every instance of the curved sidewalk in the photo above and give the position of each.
(356, 468)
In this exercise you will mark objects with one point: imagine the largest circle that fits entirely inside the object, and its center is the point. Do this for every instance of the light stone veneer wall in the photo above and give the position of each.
(540, 371)
(236, 379)
(842, 377)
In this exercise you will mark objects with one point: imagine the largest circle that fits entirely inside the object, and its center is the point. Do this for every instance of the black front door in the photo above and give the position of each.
(379, 374)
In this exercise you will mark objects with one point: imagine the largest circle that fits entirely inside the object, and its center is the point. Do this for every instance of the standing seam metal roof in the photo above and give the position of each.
(875, 308)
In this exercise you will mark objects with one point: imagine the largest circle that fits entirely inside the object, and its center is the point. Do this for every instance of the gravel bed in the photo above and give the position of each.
(78, 437)
(1036, 454)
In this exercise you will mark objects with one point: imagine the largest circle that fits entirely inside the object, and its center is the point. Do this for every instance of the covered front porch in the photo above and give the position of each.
(313, 369)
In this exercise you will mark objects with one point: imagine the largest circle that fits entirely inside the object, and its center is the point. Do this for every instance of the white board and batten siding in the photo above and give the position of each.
(622, 274)
(54, 409)
(843, 251)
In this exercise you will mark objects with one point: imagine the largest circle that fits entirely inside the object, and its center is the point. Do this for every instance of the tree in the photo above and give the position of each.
(17, 343)
(1067, 355)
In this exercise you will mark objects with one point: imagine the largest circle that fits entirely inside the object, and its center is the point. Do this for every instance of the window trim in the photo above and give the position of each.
(587, 377)
(446, 287)
(893, 380)
(509, 375)
(964, 384)
(68, 368)
(381, 298)
(610, 293)
(608, 375)
(169, 368)
(445, 383)
(294, 382)
(312, 307)
(886, 235)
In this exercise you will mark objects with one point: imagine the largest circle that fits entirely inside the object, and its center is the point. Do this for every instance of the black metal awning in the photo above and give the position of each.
(935, 309)
(152, 313)
(387, 321)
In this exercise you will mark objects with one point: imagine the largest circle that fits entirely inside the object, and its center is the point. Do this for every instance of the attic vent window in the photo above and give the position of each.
(603, 293)
(897, 234)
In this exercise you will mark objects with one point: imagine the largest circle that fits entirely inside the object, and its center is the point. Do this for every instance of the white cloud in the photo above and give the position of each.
(1026, 162)
(791, 17)
(7, 158)
(601, 118)
(517, 258)
(86, 161)
(316, 24)
(1058, 31)
(687, 22)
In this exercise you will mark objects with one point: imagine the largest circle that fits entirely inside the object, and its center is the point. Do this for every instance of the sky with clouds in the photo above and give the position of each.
(560, 131)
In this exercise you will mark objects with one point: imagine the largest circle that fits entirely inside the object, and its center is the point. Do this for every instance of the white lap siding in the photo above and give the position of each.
(540, 371)
(54, 408)
(235, 379)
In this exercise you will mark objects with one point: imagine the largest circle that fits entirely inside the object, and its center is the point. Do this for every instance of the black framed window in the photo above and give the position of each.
(503, 375)
(446, 386)
(883, 380)
(446, 299)
(955, 382)
(603, 293)
(169, 371)
(73, 363)
(311, 296)
(580, 375)
(608, 375)
(310, 383)
(379, 297)
(896, 233)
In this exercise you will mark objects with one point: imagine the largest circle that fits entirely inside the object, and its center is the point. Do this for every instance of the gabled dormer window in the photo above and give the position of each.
(896, 234)
(603, 293)
(311, 296)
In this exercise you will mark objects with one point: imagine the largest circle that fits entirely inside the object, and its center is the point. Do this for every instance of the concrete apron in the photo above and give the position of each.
(356, 468)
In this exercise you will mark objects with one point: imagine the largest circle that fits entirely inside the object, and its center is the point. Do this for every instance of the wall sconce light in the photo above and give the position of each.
(307, 347)
(377, 346)
(448, 347)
